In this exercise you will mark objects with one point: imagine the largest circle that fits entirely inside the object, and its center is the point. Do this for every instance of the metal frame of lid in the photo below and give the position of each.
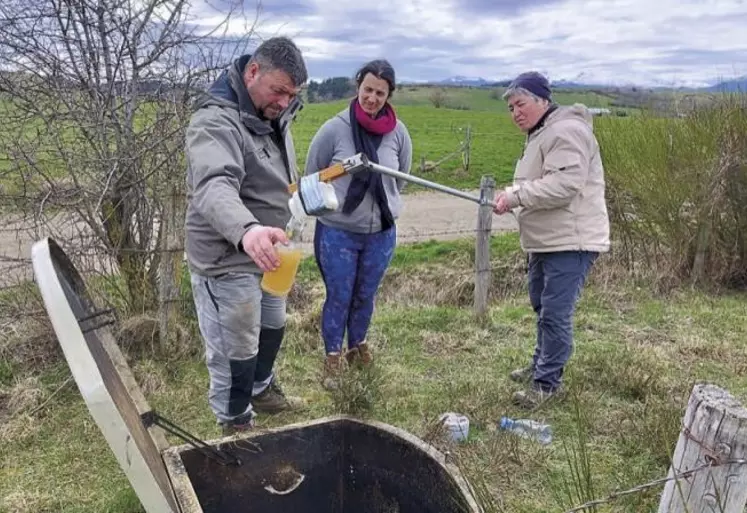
(103, 377)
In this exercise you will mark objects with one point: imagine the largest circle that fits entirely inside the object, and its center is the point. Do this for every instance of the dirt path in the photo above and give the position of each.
(431, 215)
(425, 216)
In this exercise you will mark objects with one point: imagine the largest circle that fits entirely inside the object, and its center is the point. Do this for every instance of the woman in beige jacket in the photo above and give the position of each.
(558, 196)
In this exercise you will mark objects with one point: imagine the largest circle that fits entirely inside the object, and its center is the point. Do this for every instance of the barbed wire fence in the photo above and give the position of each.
(688, 474)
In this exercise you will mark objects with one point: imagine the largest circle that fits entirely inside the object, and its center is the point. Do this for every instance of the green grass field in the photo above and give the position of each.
(637, 358)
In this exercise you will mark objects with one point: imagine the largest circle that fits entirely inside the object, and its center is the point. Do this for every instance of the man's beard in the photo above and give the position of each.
(274, 109)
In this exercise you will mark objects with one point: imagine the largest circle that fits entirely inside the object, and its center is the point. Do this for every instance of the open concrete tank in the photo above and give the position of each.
(334, 464)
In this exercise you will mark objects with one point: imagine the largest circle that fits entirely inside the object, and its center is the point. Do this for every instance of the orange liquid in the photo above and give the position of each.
(280, 281)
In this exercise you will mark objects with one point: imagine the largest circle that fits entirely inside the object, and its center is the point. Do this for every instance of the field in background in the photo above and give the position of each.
(469, 98)
(637, 358)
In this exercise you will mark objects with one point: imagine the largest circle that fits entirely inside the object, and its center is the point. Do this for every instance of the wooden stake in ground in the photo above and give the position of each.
(482, 245)
(467, 147)
(714, 430)
(170, 265)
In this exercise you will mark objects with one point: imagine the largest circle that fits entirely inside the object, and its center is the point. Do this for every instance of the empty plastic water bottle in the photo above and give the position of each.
(527, 429)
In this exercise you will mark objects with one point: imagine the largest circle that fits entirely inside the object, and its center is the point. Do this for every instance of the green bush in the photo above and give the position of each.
(677, 191)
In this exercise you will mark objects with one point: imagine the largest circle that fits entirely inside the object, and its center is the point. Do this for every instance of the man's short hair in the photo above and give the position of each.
(282, 54)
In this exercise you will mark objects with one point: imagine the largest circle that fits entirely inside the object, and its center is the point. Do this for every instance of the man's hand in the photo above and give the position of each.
(258, 244)
(501, 203)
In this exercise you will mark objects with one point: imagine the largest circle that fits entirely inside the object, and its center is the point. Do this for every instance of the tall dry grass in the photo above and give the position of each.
(677, 192)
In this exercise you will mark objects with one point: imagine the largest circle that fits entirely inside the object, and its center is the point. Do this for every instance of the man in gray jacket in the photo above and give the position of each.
(559, 197)
(241, 159)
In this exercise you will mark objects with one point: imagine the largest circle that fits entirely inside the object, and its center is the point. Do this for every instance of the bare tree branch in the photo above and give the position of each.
(94, 97)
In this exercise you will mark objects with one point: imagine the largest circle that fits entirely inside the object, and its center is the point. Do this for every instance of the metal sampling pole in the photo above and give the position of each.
(426, 183)
(360, 162)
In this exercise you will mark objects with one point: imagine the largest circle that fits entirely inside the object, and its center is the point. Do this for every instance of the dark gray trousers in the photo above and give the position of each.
(242, 328)
(555, 283)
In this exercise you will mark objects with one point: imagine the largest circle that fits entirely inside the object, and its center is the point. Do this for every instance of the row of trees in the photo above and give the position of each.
(330, 89)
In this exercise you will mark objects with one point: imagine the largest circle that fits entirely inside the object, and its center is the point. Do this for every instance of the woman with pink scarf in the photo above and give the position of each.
(354, 245)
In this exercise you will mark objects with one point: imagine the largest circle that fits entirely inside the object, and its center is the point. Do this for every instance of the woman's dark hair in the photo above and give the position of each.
(379, 68)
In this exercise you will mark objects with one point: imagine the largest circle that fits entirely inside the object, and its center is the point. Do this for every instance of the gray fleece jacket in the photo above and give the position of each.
(238, 171)
(334, 143)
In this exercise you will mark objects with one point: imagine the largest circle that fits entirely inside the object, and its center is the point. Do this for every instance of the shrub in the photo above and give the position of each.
(677, 191)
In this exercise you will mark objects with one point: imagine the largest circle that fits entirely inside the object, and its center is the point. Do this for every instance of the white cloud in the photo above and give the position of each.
(676, 42)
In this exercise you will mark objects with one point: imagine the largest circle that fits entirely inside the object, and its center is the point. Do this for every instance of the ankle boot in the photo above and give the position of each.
(332, 370)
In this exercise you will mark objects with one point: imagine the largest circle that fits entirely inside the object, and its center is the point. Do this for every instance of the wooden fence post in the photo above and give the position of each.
(714, 429)
(482, 246)
(170, 263)
(467, 147)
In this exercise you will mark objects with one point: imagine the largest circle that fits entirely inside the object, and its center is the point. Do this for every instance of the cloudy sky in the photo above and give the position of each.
(651, 42)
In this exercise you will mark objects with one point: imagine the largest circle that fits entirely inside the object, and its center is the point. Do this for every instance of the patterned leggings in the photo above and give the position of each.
(352, 267)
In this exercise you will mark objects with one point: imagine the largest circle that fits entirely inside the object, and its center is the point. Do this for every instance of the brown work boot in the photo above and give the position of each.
(366, 356)
(352, 356)
(332, 370)
(273, 400)
(360, 354)
(534, 397)
(523, 375)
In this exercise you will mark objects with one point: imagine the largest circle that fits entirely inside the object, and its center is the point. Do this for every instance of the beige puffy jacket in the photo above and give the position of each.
(558, 191)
